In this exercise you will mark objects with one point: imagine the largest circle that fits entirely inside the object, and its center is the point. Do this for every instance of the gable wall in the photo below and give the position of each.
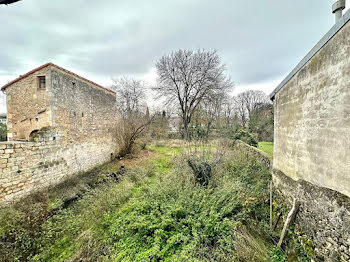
(80, 132)
(28, 108)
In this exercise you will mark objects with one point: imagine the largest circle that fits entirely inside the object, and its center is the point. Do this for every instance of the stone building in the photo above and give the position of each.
(50, 96)
(59, 124)
(312, 141)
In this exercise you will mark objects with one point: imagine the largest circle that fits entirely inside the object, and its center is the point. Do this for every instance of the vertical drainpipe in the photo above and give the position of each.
(337, 9)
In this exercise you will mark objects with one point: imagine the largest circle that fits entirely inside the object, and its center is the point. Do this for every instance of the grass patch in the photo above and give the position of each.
(266, 147)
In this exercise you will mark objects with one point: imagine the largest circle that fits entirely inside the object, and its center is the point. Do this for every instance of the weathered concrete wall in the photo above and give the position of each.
(312, 119)
(28, 108)
(311, 148)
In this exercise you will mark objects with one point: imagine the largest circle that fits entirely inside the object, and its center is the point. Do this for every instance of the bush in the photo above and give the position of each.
(21, 228)
(174, 223)
(202, 172)
(246, 137)
(133, 134)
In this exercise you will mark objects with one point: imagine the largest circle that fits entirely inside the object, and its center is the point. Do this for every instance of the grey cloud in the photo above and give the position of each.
(258, 40)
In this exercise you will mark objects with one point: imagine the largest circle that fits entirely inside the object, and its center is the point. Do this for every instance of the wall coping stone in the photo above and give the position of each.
(263, 157)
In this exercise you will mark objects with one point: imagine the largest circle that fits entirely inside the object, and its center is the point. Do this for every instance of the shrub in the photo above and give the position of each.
(246, 137)
(174, 223)
(20, 229)
(133, 133)
(157, 212)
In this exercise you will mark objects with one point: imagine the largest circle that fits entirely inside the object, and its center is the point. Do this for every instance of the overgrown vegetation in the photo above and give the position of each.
(261, 121)
(157, 210)
(3, 132)
(246, 137)
(133, 129)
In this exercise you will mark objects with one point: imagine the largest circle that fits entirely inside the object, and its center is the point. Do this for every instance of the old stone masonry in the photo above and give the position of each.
(59, 124)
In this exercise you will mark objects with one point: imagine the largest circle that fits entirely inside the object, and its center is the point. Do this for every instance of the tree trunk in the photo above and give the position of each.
(185, 131)
(208, 129)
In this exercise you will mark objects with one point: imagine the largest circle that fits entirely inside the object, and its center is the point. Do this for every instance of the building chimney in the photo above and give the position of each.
(337, 9)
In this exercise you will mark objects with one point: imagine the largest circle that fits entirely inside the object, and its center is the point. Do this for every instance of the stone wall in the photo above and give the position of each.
(255, 153)
(312, 118)
(28, 166)
(323, 217)
(82, 112)
(28, 108)
(311, 143)
(76, 125)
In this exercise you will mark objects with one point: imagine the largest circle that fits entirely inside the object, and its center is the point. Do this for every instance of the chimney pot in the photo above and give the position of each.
(337, 9)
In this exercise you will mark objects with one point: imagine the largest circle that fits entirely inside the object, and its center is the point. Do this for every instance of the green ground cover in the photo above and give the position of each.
(156, 211)
(266, 147)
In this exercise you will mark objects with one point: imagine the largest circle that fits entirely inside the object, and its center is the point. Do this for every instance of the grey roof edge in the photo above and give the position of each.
(333, 31)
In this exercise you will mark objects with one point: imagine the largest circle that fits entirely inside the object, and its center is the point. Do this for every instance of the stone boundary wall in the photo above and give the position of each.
(323, 215)
(254, 152)
(26, 167)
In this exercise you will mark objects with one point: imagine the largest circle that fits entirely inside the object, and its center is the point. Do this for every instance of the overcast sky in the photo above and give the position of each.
(259, 41)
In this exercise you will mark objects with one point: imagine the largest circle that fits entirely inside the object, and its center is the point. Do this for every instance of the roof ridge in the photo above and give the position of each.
(58, 67)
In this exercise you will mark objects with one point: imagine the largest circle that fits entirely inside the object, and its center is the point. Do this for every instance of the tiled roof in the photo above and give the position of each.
(58, 67)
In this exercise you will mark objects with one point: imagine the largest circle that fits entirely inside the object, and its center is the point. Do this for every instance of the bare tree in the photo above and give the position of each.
(212, 107)
(186, 77)
(134, 128)
(228, 110)
(253, 98)
(135, 114)
(130, 95)
(245, 103)
(240, 109)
